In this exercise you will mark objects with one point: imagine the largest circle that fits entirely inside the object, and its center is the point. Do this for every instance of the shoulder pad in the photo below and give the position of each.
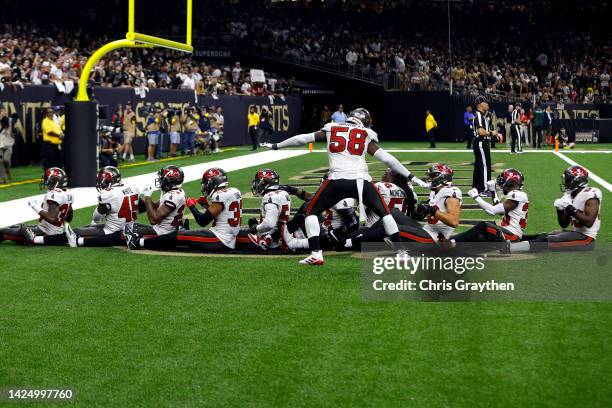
(517, 195)
(373, 135)
(327, 127)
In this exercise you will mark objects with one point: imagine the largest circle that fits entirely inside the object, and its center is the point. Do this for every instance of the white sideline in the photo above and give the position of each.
(471, 151)
(592, 175)
(17, 211)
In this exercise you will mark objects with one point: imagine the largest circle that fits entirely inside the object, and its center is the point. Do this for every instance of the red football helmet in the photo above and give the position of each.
(439, 174)
(213, 179)
(108, 176)
(265, 179)
(510, 179)
(169, 177)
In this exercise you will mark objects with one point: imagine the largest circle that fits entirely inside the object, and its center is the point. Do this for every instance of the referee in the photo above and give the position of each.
(483, 131)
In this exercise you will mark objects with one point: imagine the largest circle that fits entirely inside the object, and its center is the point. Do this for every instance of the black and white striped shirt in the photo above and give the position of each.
(481, 120)
(516, 117)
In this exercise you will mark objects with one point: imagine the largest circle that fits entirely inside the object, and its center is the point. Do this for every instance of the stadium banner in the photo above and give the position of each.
(30, 101)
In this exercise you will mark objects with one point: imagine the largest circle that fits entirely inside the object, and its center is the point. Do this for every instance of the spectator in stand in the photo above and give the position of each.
(129, 132)
(253, 119)
(548, 125)
(538, 122)
(339, 116)
(468, 123)
(52, 137)
(430, 127)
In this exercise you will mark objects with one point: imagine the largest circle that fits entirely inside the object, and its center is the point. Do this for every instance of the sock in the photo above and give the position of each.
(317, 254)
(313, 229)
(348, 243)
(131, 156)
(390, 227)
(80, 241)
(141, 242)
(523, 246)
(123, 155)
(39, 240)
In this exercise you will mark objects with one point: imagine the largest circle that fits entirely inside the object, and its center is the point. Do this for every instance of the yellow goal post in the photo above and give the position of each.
(133, 39)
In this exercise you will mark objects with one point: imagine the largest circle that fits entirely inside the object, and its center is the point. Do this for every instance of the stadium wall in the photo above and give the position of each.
(30, 101)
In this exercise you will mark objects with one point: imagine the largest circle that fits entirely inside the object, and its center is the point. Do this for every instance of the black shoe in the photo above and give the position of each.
(132, 237)
(505, 248)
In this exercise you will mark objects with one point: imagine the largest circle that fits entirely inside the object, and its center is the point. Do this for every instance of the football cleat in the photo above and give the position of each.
(505, 248)
(312, 260)
(132, 237)
(263, 242)
(29, 236)
(70, 235)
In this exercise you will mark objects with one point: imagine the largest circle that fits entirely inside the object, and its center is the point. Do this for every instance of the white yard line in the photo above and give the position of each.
(17, 211)
(592, 175)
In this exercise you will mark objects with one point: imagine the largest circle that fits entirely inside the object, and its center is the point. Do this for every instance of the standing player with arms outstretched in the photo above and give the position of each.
(579, 206)
(347, 145)
(514, 208)
(223, 207)
(164, 215)
(118, 203)
(53, 212)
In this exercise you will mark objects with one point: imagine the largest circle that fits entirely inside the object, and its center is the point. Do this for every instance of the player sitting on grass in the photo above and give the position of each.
(443, 210)
(54, 211)
(580, 206)
(274, 210)
(165, 215)
(514, 209)
(222, 206)
(118, 203)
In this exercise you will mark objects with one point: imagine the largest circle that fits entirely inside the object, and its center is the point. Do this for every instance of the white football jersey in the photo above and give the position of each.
(347, 146)
(227, 224)
(64, 202)
(282, 200)
(434, 226)
(174, 199)
(515, 221)
(121, 202)
(333, 219)
(579, 202)
(394, 196)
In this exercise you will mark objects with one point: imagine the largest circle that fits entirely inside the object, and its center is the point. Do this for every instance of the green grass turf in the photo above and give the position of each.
(128, 329)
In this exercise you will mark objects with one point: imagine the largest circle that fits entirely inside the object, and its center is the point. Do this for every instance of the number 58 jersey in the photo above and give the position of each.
(347, 145)
(121, 204)
(227, 224)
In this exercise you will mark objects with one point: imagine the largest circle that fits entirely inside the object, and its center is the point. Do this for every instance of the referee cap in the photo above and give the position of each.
(480, 99)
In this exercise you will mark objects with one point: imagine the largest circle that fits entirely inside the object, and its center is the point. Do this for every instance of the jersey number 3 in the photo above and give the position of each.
(353, 142)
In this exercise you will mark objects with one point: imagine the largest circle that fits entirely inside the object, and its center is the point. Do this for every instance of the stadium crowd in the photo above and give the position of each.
(31, 55)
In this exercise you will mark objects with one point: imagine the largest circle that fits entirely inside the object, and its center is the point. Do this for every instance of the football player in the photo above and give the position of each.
(274, 210)
(580, 206)
(54, 213)
(118, 204)
(514, 209)
(222, 206)
(347, 145)
(443, 210)
(165, 215)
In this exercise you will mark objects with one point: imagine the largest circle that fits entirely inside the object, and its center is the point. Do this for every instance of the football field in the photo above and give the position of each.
(140, 329)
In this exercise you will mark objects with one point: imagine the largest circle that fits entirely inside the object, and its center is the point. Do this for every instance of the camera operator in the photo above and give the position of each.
(265, 120)
(129, 131)
(108, 147)
(191, 120)
(153, 126)
(7, 140)
(174, 125)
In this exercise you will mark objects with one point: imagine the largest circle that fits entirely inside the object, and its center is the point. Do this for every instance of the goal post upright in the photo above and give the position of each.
(82, 114)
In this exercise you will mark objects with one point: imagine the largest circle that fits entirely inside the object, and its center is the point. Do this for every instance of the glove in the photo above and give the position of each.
(561, 203)
(571, 210)
(490, 186)
(147, 191)
(419, 182)
(253, 225)
(191, 202)
(35, 205)
(203, 201)
(428, 209)
(290, 189)
(473, 193)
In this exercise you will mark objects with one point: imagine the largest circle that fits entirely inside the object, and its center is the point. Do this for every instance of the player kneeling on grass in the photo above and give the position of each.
(118, 203)
(223, 205)
(165, 215)
(54, 212)
(580, 206)
(443, 210)
(274, 210)
(514, 209)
